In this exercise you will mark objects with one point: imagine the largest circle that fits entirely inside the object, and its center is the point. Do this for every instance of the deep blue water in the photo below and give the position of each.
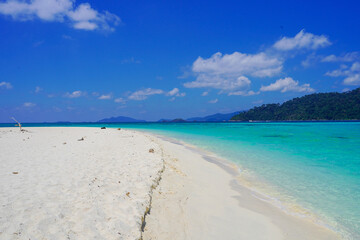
(315, 165)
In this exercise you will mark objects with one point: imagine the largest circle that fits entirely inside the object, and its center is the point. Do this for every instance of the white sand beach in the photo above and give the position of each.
(56, 187)
(199, 197)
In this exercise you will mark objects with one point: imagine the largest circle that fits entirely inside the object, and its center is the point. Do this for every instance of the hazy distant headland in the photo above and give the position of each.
(314, 107)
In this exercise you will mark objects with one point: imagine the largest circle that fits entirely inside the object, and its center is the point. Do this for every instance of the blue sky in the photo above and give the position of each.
(64, 60)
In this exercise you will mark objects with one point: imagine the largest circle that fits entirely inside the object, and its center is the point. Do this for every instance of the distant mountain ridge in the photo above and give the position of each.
(218, 117)
(176, 120)
(120, 119)
(317, 106)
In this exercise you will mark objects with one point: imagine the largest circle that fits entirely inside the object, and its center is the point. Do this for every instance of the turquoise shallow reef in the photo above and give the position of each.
(307, 166)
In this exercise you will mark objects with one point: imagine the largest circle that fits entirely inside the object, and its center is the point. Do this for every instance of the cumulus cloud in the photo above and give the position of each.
(214, 101)
(355, 67)
(143, 94)
(75, 94)
(120, 100)
(218, 82)
(5, 85)
(229, 72)
(243, 93)
(287, 85)
(312, 58)
(335, 73)
(302, 40)
(173, 92)
(105, 96)
(29, 104)
(176, 92)
(204, 94)
(258, 65)
(351, 74)
(348, 57)
(352, 80)
(82, 17)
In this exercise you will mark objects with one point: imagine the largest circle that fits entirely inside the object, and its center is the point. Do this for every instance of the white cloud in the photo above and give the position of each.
(214, 101)
(228, 72)
(5, 85)
(173, 92)
(330, 58)
(204, 94)
(75, 94)
(302, 40)
(38, 89)
(143, 94)
(82, 17)
(286, 85)
(105, 96)
(231, 72)
(355, 67)
(258, 65)
(47, 10)
(310, 60)
(120, 100)
(176, 92)
(219, 82)
(353, 79)
(29, 104)
(336, 73)
(348, 57)
(352, 74)
(85, 26)
(243, 93)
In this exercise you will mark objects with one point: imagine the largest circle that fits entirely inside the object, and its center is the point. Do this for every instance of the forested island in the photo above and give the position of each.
(317, 106)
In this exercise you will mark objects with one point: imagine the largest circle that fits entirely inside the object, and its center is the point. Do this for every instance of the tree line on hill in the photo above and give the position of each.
(317, 106)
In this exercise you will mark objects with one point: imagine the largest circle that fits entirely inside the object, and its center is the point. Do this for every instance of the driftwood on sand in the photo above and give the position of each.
(18, 124)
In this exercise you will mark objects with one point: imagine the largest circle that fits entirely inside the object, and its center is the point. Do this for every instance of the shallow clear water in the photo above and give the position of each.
(314, 165)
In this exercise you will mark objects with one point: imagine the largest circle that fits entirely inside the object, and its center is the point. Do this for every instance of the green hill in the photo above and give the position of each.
(317, 106)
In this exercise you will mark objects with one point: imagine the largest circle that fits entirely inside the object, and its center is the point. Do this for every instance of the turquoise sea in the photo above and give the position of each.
(307, 166)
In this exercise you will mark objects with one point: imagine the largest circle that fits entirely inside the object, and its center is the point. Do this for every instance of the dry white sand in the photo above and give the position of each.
(101, 187)
(200, 198)
(98, 188)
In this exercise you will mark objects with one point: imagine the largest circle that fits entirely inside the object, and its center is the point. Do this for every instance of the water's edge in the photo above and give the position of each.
(235, 171)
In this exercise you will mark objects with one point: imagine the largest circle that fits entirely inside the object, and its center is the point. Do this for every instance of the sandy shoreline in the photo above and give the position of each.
(204, 193)
(197, 196)
(54, 186)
